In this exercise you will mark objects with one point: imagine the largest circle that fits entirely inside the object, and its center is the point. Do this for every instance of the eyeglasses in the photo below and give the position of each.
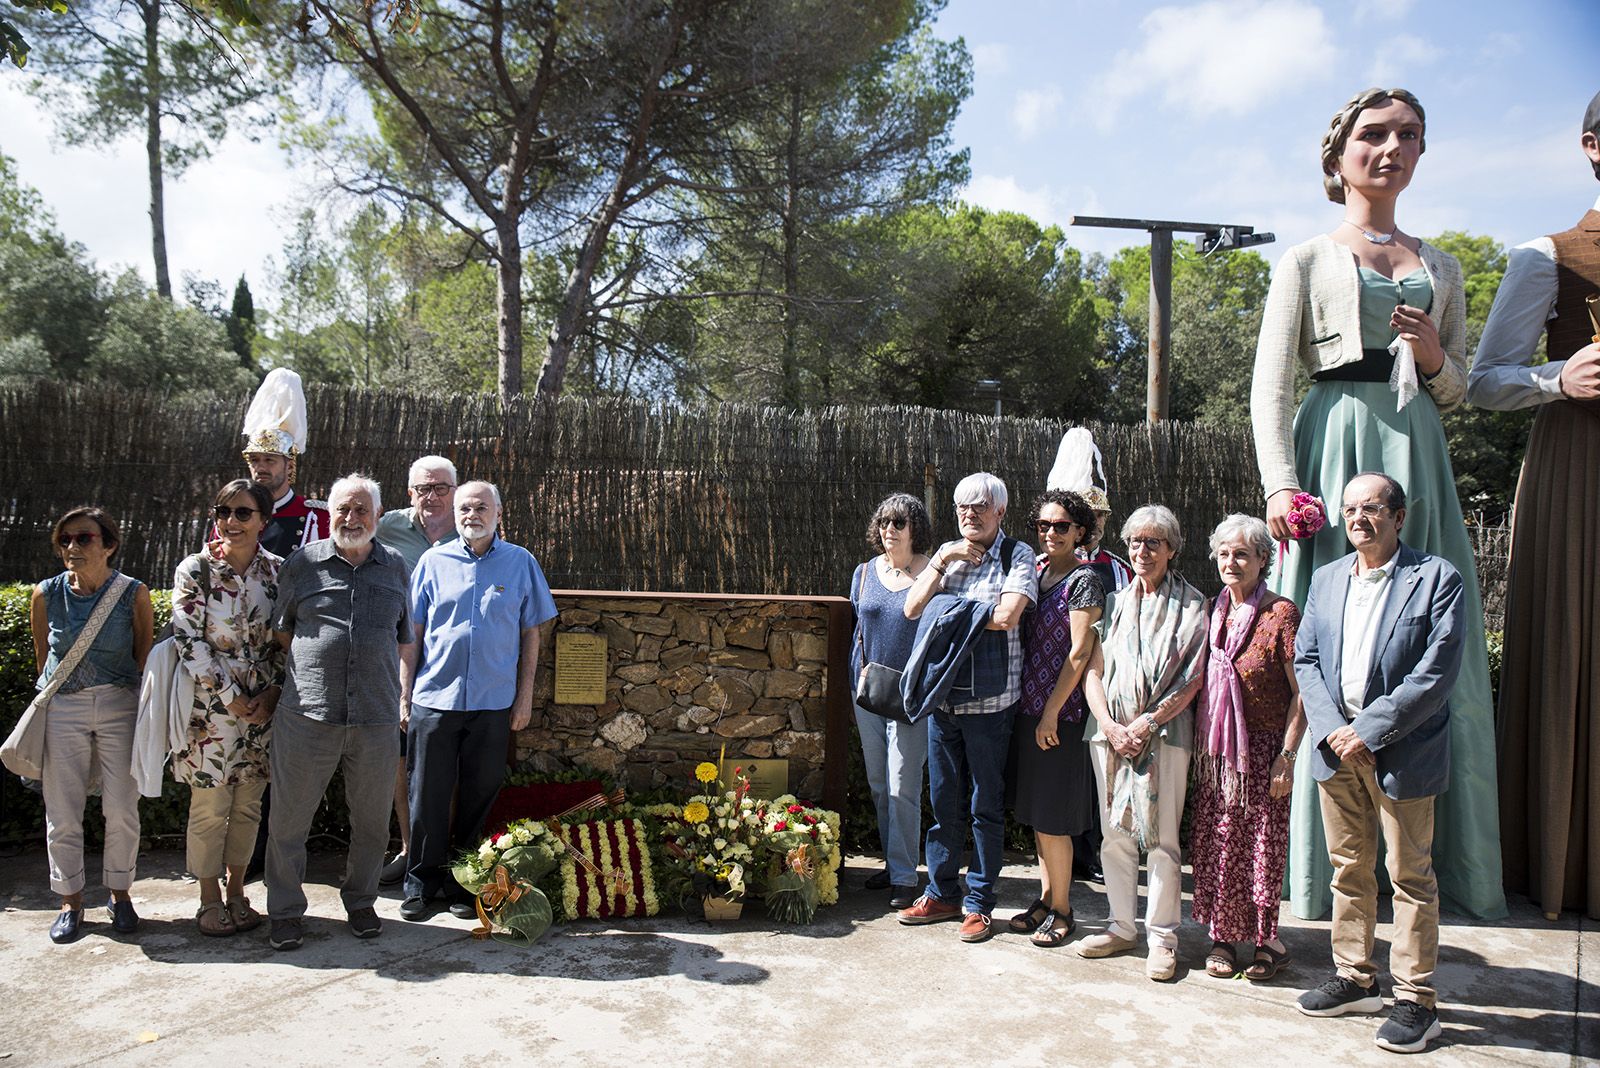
(973, 509)
(1060, 526)
(243, 515)
(898, 524)
(1365, 511)
(433, 489)
(1146, 543)
(66, 541)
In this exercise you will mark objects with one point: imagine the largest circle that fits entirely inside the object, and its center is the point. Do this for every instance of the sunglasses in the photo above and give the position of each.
(66, 541)
(1060, 526)
(898, 524)
(243, 515)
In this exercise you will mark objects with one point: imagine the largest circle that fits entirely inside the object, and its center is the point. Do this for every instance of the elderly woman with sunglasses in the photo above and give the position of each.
(1050, 771)
(90, 719)
(1140, 686)
(896, 754)
(221, 607)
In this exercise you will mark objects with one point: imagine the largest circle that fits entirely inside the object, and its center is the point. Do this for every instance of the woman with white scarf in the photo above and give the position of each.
(1139, 688)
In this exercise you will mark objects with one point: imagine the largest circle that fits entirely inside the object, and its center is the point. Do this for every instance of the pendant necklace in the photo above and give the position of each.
(1375, 238)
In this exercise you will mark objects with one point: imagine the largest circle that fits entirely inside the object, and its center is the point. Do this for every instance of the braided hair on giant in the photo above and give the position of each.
(1344, 120)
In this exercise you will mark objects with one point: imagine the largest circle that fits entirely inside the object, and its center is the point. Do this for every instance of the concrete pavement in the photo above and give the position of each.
(855, 988)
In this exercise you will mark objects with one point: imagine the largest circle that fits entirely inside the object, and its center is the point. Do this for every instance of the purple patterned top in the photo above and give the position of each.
(1047, 641)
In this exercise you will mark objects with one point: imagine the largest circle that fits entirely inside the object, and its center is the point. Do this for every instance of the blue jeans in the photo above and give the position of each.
(895, 754)
(967, 784)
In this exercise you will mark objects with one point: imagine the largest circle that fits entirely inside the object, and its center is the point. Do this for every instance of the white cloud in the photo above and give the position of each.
(1005, 193)
(1033, 109)
(1397, 60)
(1231, 56)
(1383, 10)
(990, 59)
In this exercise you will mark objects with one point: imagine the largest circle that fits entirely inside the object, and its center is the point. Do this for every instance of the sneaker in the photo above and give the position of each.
(1409, 1028)
(903, 897)
(928, 909)
(976, 927)
(1161, 964)
(1104, 944)
(1340, 995)
(393, 871)
(414, 909)
(364, 923)
(286, 934)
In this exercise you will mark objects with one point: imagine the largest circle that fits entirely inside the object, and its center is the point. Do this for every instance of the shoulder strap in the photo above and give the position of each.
(861, 571)
(91, 630)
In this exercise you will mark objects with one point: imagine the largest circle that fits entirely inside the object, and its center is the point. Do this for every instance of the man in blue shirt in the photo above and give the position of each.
(465, 684)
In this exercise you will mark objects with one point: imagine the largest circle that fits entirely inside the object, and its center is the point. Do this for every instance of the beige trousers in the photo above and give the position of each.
(222, 827)
(85, 730)
(1354, 810)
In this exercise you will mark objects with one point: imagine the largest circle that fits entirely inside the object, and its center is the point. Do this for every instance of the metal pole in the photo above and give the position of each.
(1157, 403)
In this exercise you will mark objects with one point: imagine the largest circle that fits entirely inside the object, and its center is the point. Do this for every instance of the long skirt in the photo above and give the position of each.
(1550, 678)
(1239, 852)
(1341, 430)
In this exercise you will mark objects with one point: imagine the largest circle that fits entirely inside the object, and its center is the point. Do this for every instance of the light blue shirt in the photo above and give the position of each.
(473, 610)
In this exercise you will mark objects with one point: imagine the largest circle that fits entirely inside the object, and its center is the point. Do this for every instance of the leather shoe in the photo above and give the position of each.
(464, 906)
(878, 880)
(903, 897)
(393, 871)
(414, 909)
(68, 926)
(123, 919)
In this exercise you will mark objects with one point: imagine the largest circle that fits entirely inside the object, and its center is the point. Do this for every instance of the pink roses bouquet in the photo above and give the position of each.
(1307, 515)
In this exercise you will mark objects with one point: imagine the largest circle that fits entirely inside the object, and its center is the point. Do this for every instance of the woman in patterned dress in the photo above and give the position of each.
(221, 607)
(1050, 765)
(1248, 728)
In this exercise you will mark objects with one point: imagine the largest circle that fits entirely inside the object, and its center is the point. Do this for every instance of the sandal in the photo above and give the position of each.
(1054, 931)
(1030, 919)
(244, 917)
(213, 920)
(1221, 963)
(1267, 963)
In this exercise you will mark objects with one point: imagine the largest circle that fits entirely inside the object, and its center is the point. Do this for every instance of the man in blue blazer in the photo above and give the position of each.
(1376, 657)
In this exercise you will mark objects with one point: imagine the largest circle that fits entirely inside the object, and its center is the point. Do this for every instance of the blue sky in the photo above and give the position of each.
(1207, 111)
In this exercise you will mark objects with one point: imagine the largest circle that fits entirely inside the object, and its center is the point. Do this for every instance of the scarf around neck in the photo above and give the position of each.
(1223, 740)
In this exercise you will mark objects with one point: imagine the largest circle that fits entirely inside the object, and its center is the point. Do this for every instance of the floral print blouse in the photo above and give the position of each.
(221, 625)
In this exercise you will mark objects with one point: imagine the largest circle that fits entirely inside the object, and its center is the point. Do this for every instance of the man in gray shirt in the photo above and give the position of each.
(342, 613)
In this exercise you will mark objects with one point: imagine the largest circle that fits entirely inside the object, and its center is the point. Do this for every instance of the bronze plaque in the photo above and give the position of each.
(580, 668)
(769, 777)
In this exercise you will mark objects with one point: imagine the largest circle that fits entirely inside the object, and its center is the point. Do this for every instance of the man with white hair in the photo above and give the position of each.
(969, 737)
(430, 521)
(466, 684)
(342, 615)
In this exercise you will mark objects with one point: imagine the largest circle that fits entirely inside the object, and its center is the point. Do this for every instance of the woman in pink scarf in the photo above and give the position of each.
(1247, 731)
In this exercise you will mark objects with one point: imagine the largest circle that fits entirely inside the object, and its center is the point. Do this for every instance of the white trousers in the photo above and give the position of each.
(1119, 854)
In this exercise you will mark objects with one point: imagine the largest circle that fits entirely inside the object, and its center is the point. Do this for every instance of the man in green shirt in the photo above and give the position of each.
(411, 532)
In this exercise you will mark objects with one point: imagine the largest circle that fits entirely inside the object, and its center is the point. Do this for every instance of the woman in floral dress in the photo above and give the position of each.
(1248, 727)
(221, 606)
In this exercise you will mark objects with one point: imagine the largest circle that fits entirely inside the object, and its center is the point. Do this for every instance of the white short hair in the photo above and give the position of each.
(1156, 517)
(1247, 528)
(430, 463)
(494, 491)
(981, 488)
(357, 482)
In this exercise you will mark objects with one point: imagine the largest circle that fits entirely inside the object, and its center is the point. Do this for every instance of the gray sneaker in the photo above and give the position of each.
(1409, 1028)
(1340, 995)
(364, 923)
(286, 934)
(393, 871)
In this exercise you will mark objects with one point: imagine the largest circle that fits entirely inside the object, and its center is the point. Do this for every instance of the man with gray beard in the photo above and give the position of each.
(342, 615)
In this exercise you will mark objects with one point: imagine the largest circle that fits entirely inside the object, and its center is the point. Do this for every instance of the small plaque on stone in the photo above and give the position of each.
(769, 778)
(580, 668)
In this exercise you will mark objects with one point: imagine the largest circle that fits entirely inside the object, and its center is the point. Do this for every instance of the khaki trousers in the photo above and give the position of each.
(86, 729)
(222, 827)
(1354, 809)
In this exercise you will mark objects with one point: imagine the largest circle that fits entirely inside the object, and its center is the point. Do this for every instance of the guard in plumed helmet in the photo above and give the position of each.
(275, 436)
(1079, 469)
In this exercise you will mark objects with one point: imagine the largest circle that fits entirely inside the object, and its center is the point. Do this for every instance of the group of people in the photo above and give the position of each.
(1314, 709)
(313, 639)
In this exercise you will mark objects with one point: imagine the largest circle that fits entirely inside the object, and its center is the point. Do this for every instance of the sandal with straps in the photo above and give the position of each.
(1054, 931)
(1221, 963)
(212, 918)
(244, 917)
(1028, 920)
(1268, 962)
